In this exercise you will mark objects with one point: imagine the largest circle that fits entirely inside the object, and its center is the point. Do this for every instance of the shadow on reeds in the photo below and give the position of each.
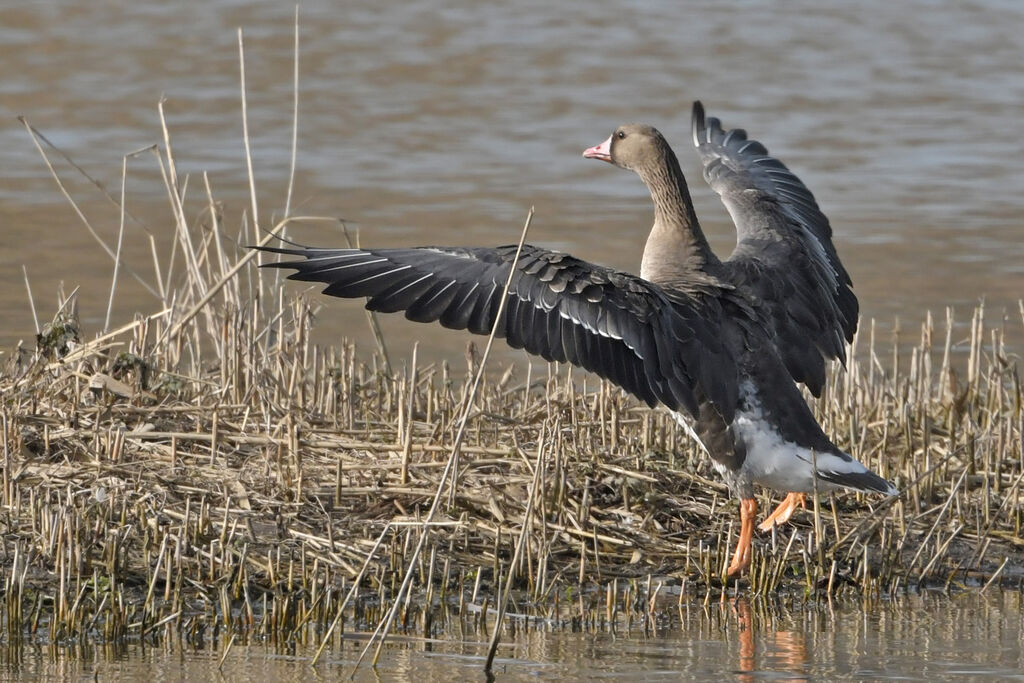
(206, 470)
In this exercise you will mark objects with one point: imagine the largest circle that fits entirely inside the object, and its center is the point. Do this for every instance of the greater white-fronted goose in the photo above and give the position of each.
(719, 341)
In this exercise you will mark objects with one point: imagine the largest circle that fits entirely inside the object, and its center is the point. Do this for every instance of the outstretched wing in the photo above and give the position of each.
(784, 254)
(662, 347)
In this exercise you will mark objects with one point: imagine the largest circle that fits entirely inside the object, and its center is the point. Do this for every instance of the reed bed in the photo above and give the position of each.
(190, 474)
(208, 470)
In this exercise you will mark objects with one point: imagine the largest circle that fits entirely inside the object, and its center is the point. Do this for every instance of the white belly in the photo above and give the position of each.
(779, 464)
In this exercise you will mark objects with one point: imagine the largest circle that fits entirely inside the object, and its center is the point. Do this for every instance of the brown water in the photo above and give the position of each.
(917, 638)
(424, 123)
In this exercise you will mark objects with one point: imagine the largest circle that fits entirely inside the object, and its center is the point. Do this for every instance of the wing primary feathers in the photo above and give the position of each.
(558, 307)
(784, 255)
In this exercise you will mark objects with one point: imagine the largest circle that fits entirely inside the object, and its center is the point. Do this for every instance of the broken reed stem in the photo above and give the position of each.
(120, 243)
(74, 205)
(819, 540)
(407, 436)
(31, 300)
(227, 649)
(295, 120)
(245, 132)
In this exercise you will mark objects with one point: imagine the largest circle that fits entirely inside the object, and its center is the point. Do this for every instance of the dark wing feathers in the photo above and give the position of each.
(663, 347)
(784, 253)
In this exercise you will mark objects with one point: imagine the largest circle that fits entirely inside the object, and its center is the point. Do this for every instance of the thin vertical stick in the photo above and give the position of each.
(407, 436)
(31, 301)
(245, 132)
(385, 627)
(520, 544)
(156, 269)
(215, 226)
(120, 242)
(817, 509)
(487, 351)
(295, 121)
(176, 196)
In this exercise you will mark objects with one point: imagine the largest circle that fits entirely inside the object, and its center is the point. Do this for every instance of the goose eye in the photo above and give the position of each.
(620, 135)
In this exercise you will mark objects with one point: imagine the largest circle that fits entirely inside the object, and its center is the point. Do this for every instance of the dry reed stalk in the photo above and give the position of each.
(513, 566)
(452, 467)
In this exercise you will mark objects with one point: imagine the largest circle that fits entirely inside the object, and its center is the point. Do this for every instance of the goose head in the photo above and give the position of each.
(632, 146)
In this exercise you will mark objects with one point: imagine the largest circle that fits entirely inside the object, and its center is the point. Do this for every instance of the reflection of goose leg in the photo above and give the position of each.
(741, 556)
(746, 637)
(785, 510)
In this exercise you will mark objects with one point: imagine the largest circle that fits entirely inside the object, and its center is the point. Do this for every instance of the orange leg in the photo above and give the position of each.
(741, 556)
(785, 510)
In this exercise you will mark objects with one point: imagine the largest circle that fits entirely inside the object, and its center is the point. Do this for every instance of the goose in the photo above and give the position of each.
(719, 343)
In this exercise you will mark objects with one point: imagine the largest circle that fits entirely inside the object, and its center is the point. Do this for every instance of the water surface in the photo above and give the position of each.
(916, 638)
(431, 123)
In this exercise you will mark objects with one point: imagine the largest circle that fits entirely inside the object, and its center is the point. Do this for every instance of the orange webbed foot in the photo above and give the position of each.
(785, 510)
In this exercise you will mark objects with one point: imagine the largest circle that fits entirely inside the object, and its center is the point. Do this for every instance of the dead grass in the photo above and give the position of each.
(226, 471)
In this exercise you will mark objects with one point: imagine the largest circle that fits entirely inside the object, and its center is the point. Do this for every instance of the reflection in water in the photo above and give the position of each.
(916, 637)
(782, 651)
